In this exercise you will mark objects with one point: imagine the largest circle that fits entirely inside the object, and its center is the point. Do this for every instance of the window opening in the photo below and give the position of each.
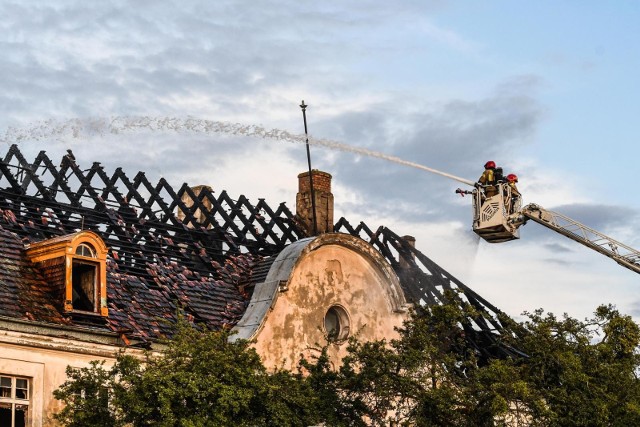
(84, 285)
(336, 323)
(85, 249)
(14, 401)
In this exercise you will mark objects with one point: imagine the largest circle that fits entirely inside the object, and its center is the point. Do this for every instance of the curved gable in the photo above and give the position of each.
(318, 285)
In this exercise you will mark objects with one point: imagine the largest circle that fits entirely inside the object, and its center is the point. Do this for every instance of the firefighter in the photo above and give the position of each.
(512, 179)
(488, 179)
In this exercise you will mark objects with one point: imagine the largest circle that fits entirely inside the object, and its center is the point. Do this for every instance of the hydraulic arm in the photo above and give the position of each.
(619, 252)
(498, 216)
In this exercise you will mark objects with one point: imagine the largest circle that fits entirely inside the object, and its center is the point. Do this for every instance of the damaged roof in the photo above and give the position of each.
(157, 264)
(160, 262)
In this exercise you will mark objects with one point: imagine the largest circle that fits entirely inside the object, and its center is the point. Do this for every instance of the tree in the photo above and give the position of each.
(86, 395)
(586, 370)
(573, 373)
(200, 379)
(428, 377)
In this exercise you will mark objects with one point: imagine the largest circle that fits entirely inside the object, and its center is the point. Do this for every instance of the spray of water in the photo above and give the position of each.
(82, 128)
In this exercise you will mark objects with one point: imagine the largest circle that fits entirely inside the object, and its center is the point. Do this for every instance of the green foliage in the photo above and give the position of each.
(431, 377)
(201, 379)
(86, 394)
(575, 373)
(585, 379)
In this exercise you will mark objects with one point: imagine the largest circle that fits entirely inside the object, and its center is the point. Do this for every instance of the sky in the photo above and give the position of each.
(546, 89)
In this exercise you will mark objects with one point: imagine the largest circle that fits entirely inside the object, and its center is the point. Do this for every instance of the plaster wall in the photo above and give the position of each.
(346, 272)
(44, 360)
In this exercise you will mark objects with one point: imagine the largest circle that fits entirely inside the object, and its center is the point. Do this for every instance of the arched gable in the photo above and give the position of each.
(335, 283)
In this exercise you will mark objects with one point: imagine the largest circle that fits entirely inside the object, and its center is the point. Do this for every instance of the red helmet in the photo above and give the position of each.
(490, 165)
(512, 177)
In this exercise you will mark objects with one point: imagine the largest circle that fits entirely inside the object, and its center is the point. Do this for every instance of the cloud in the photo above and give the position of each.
(616, 222)
(386, 76)
(207, 59)
(449, 137)
(634, 309)
(558, 261)
(599, 216)
(558, 248)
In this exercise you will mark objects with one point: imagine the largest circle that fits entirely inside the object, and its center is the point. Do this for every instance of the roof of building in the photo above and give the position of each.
(160, 263)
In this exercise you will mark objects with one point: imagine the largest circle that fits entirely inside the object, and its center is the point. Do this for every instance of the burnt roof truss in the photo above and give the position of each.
(137, 219)
(425, 283)
(138, 222)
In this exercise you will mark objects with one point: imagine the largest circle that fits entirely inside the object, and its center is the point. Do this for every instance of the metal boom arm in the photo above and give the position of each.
(619, 252)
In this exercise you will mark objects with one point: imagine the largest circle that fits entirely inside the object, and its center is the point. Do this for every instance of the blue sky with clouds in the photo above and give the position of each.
(547, 89)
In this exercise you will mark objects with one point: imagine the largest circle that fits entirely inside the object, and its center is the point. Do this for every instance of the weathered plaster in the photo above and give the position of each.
(42, 353)
(333, 269)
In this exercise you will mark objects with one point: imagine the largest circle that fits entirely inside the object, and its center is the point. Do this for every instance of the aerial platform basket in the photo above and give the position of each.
(496, 218)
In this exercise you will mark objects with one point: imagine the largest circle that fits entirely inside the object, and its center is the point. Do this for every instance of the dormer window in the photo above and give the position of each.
(84, 283)
(77, 264)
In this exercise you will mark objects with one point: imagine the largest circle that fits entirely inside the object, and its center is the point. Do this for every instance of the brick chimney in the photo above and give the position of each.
(198, 214)
(412, 242)
(323, 201)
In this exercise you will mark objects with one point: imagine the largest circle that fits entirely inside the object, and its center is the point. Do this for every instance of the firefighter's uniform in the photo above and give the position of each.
(488, 179)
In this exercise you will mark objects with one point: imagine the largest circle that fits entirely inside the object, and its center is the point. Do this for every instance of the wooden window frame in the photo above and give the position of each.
(100, 276)
(95, 288)
(13, 400)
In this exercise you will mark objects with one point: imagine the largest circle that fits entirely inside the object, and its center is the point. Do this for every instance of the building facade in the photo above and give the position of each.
(92, 263)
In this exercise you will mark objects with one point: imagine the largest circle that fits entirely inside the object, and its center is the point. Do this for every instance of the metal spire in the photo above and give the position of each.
(313, 195)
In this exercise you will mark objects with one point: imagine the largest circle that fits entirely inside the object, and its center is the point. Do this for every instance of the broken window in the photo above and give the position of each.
(336, 323)
(84, 279)
(84, 285)
(14, 401)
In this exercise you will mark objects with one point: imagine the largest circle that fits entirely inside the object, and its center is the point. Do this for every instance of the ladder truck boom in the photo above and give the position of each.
(619, 252)
(497, 218)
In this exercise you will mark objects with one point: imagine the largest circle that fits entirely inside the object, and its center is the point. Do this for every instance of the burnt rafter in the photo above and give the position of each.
(140, 224)
(136, 219)
(426, 283)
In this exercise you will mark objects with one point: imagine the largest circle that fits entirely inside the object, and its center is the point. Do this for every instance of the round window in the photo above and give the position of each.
(336, 323)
